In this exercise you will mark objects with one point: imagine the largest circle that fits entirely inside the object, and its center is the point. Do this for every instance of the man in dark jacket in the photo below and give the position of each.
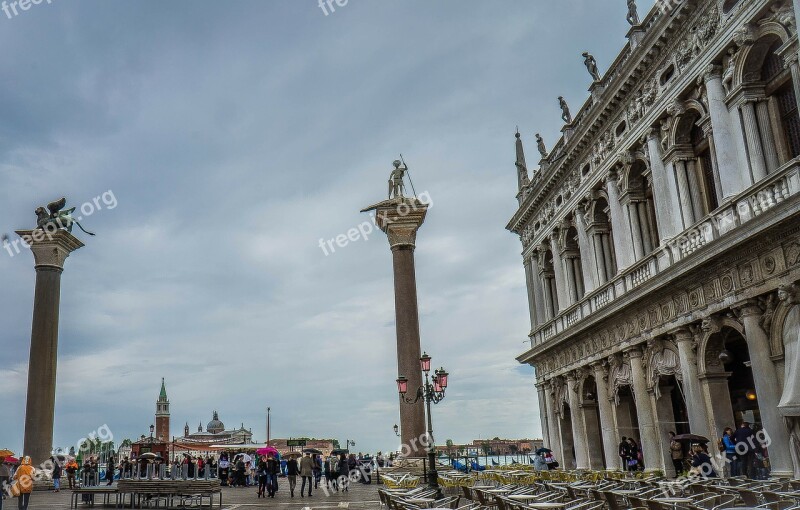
(292, 472)
(624, 453)
(746, 447)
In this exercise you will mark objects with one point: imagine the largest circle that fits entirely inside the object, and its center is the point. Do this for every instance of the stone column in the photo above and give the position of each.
(666, 205)
(400, 218)
(530, 277)
(694, 189)
(644, 410)
(622, 233)
(758, 164)
(560, 278)
(725, 145)
(543, 418)
(693, 394)
(632, 214)
(767, 136)
(607, 428)
(792, 63)
(50, 250)
(578, 428)
(768, 388)
(553, 425)
(588, 267)
(685, 193)
(538, 291)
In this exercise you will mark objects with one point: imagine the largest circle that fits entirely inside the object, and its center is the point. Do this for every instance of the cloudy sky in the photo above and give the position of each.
(229, 138)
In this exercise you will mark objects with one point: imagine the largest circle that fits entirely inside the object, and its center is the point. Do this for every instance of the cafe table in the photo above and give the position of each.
(546, 506)
(674, 501)
(524, 497)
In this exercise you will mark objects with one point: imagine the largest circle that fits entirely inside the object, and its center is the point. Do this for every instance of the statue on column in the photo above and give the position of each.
(540, 146)
(591, 65)
(56, 218)
(633, 14)
(566, 116)
(396, 186)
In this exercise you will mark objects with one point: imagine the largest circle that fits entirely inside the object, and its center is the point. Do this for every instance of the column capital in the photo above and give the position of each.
(748, 308)
(633, 352)
(789, 293)
(600, 369)
(50, 249)
(400, 218)
(712, 72)
(682, 334)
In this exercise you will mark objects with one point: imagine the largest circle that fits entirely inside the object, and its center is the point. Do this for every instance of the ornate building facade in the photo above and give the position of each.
(661, 240)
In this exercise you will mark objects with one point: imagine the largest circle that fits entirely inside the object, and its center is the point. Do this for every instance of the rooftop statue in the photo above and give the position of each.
(540, 145)
(633, 14)
(566, 116)
(591, 65)
(56, 218)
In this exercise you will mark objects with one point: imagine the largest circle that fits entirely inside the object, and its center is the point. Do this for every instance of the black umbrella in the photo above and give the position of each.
(313, 451)
(693, 438)
(339, 451)
(543, 450)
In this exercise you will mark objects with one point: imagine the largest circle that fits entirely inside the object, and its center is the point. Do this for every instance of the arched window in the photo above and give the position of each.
(695, 171)
(638, 199)
(780, 91)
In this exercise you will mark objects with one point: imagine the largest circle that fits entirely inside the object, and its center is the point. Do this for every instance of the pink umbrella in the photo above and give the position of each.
(267, 450)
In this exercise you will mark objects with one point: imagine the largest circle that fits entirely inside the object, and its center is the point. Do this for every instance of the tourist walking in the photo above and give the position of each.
(5, 478)
(292, 472)
(624, 452)
(538, 463)
(344, 473)
(636, 455)
(307, 472)
(110, 471)
(676, 452)
(729, 447)
(273, 470)
(331, 473)
(263, 479)
(23, 476)
(56, 474)
(71, 469)
(317, 470)
(745, 448)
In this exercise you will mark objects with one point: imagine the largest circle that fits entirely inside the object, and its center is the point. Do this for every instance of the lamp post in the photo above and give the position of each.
(348, 443)
(396, 430)
(430, 393)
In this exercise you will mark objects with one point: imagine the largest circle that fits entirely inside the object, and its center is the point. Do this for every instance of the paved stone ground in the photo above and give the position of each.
(359, 497)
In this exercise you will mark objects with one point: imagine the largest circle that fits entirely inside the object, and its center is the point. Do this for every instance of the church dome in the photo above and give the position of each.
(215, 426)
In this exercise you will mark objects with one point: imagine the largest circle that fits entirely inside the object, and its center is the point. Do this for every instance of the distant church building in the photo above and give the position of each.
(215, 433)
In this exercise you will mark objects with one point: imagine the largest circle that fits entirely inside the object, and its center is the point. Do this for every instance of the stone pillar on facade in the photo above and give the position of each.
(607, 426)
(768, 388)
(792, 62)
(684, 193)
(530, 278)
(400, 218)
(50, 250)
(543, 418)
(699, 422)
(560, 277)
(621, 231)
(665, 199)
(758, 164)
(538, 291)
(644, 411)
(553, 424)
(588, 261)
(767, 136)
(578, 426)
(725, 144)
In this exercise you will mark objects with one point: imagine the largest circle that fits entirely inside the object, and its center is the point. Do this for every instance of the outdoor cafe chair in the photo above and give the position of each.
(448, 502)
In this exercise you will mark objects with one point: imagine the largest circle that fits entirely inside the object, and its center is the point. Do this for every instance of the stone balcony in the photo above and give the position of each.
(732, 220)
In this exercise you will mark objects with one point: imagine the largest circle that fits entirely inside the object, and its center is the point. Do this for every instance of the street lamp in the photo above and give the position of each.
(396, 430)
(348, 443)
(430, 393)
(152, 429)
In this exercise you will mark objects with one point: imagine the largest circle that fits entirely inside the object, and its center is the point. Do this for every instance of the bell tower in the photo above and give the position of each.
(162, 415)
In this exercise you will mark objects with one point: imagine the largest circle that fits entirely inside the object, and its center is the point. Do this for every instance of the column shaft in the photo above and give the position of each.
(529, 279)
(644, 412)
(543, 418)
(768, 390)
(644, 225)
(731, 176)
(554, 427)
(694, 188)
(560, 277)
(572, 284)
(687, 210)
(693, 394)
(636, 230)
(412, 417)
(608, 430)
(758, 165)
(588, 258)
(767, 136)
(622, 232)
(664, 194)
(578, 427)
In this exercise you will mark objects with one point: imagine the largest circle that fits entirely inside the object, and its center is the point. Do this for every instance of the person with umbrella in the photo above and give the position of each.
(344, 473)
(273, 469)
(676, 452)
(317, 469)
(263, 478)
